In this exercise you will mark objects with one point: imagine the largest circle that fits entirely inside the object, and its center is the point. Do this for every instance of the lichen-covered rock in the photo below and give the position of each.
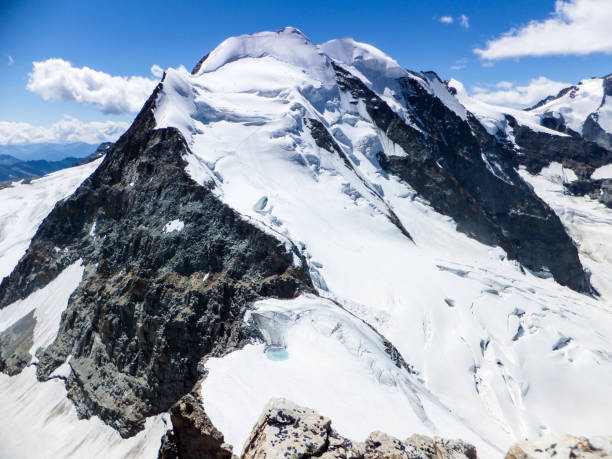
(562, 447)
(288, 430)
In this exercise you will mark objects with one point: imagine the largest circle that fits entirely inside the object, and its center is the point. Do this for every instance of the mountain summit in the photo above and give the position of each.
(316, 223)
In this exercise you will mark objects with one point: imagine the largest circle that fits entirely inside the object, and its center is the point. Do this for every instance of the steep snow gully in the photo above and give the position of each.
(316, 223)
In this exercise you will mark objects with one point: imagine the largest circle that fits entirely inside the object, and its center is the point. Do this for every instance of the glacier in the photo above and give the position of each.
(507, 353)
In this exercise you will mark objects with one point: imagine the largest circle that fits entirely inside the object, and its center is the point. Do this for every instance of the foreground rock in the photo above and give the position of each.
(562, 447)
(193, 435)
(288, 430)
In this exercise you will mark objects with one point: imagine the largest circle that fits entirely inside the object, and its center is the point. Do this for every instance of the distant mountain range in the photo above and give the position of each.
(48, 151)
(14, 168)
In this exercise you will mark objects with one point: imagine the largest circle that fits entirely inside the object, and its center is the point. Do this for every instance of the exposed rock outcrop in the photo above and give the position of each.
(288, 430)
(596, 189)
(15, 344)
(193, 436)
(539, 149)
(561, 447)
(155, 298)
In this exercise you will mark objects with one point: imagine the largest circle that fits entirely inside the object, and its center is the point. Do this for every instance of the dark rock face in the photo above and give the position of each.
(193, 435)
(557, 123)
(15, 344)
(325, 140)
(152, 304)
(595, 189)
(593, 132)
(468, 175)
(538, 150)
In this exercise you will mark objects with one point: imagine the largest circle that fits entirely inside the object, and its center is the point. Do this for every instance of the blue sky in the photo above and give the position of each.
(122, 38)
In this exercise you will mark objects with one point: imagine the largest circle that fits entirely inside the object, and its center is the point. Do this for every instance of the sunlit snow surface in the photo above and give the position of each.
(576, 105)
(500, 354)
(23, 206)
(38, 420)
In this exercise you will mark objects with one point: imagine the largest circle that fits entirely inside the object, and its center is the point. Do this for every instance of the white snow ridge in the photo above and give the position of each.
(435, 333)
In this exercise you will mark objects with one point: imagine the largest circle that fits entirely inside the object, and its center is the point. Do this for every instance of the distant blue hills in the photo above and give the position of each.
(48, 151)
(36, 160)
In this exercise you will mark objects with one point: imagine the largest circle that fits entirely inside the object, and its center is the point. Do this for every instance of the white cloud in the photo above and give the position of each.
(69, 129)
(447, 19)
(464, 21)
(505, 84)
(57, 79)
(157, 71)
(10, 60)
(576, 27)
(510, 94)
(459, 64)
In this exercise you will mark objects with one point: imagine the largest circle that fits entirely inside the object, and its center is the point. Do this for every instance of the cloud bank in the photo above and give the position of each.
(67, 130)
(509, 94)
(57, 79)
(577, 27)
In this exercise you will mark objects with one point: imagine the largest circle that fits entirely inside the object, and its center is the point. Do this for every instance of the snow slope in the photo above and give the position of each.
(498, 353)
(587, 220)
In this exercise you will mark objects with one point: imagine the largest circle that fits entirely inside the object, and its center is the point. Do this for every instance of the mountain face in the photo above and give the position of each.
(541, 136)
(584, 109)
(316, 223)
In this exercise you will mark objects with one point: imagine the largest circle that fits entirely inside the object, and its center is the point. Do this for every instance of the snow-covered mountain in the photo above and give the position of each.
(316, 223)
(585, 109)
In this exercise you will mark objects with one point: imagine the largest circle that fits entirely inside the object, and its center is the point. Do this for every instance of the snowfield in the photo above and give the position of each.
(493, 117)
(499, 353)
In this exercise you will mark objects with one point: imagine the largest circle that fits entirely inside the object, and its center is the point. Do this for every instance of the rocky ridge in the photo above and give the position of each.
(155, 298)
